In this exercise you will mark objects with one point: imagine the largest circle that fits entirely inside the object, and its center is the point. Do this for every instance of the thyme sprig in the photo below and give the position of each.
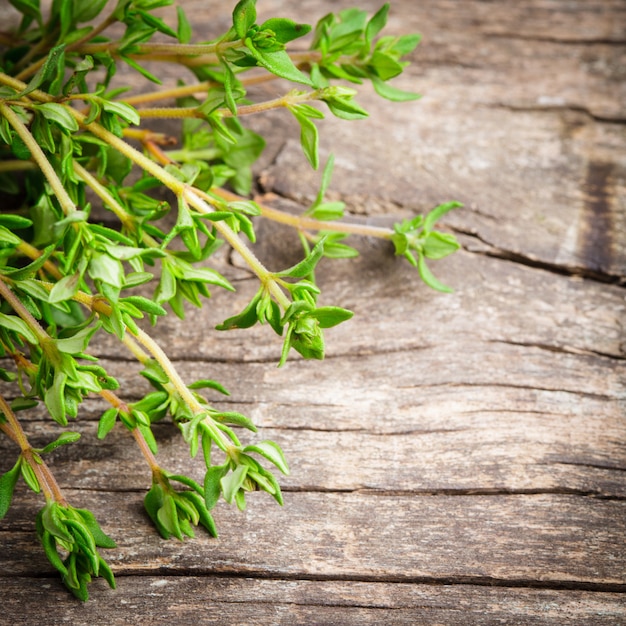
(66, 135)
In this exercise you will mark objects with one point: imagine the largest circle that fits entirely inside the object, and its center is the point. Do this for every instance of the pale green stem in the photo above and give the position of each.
(45, 478)
(237, 244)
(157, 352)
(39, 157)
(302, 222)
(248, 109)
(101, 191)
(17, 166)
(42, 336)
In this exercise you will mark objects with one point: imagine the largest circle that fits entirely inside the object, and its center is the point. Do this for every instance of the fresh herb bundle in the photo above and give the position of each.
(68, 139)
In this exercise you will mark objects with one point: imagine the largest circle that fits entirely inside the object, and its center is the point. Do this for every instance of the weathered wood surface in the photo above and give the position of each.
(457, 458)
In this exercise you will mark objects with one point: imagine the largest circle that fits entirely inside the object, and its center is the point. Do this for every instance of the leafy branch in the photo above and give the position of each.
(68, 138)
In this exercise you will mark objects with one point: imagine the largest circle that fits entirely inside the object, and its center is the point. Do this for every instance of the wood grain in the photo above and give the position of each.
(457, 458)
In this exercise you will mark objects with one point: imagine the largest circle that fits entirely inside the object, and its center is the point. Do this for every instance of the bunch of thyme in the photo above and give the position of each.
(67, 136)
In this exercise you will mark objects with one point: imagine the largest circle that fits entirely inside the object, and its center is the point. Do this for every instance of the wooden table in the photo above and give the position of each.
(457, 459)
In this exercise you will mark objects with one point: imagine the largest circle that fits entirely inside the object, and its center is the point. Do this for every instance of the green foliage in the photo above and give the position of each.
(67, 278)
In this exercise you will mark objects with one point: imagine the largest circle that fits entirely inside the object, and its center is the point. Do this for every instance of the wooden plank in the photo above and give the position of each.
(167, 600)
(551, 540)
(457, 459)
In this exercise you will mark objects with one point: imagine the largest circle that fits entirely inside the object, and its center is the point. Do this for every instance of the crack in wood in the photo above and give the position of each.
(479, 581)
(560, 349)
(571, 271)
(570, 41)
(557, 108)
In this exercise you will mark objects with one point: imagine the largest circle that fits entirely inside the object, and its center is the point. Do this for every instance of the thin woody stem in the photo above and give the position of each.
(45, 478)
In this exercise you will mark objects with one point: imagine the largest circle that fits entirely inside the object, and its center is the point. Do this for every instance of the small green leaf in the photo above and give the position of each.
(212, 484)
(427, 276)
(439, 245)
(438, 212)
(232, 483)
(307, 265)
(19, 326)
(29, 476)
(309, 139)
(61, 440)
(244, 17)
(78, 342)
(149, 306)
(393, 94)
(329, 316)
(285, 30)
(210, 384)
(278, 62)
(55, 62)
(125, 111)
(54, 398)
(168, 518)
(376, 23)
(272, 452)
(7, 485)
(100, 538)
(204, 516)
(184, 27)
(59, 114)
(237, 419)
(107, 422)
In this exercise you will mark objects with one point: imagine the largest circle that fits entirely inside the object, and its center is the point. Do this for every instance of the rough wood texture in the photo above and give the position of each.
(457, 458)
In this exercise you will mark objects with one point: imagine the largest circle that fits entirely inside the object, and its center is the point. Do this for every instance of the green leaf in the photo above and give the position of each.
(107, 269)
(54, 398)
(427, 276)
(285, 30)
(204, 516)
(385, 65)
(54, 64)
(329, 316)
(87, 10)
(438, 212)
(28, 8)
(29, 476)
(89, 520)
(439, 245)
(237, 419)
(212, 484)
(309, 139)
(107, 422)
(59, 114)
(272, 452)
(168, 518)
(376, 24)
(247, 318)
(328, 211)
(210, 384)
(125, 111)
(232, 483)
(8, 481)
(7, 236)
(307, 265)
(244, 17)
(149, 306)
(63, 439)
(19, 326)
(278, 62)
(184, 27)
(49, 545)
(393, 94)
(78, 342)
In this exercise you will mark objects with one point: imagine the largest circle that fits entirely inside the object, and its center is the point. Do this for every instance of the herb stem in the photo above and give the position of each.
(42, 336)
(39, 157)
(45, 478)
